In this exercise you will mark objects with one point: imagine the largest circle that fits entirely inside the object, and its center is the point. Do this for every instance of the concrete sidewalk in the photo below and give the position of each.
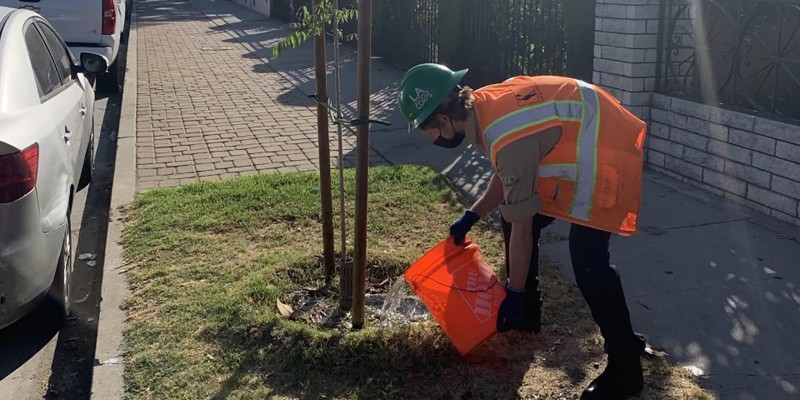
(714, 283)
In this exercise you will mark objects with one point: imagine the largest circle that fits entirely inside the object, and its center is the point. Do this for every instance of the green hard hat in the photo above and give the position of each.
(423, 88)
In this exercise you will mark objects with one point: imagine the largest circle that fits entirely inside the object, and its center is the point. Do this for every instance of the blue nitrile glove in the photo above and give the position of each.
(460, 228)
(510, 313)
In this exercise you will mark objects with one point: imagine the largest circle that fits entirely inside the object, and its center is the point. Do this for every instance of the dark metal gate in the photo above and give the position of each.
(743, 54)
(408, 32)
(500, 39)
(495, 39)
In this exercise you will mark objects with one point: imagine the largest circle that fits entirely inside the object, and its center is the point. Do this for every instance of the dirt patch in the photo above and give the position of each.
(388, 302)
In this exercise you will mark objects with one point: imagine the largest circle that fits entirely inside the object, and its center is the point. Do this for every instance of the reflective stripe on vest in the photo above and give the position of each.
(586, 153)
(568, 171)
(584, 171)
(518, 120)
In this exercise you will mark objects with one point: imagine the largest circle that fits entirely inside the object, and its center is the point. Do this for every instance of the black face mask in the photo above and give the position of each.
(441, 141)
(449, 143)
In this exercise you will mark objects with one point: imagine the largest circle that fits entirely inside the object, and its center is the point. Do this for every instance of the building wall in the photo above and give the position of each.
(625, 51)
(261, 6)
(750, 159)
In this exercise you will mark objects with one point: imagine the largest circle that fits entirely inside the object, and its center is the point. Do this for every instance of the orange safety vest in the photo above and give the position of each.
(593, 175)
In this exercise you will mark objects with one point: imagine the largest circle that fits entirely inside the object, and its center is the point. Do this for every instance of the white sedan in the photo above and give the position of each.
(46, 134)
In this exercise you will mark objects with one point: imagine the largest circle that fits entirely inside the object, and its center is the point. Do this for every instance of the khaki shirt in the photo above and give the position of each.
(517, 166)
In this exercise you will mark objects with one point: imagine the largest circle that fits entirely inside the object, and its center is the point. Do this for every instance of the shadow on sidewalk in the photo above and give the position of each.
(161, 12)
(260, 34)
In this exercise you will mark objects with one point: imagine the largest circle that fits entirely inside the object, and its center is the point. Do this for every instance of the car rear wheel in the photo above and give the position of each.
(60, 288)
(88, 162)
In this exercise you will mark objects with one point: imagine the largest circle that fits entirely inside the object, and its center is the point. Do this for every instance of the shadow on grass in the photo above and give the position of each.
(295, 359)
(299, 360)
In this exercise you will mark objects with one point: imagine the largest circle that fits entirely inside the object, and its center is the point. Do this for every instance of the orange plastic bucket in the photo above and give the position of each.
(460, 290)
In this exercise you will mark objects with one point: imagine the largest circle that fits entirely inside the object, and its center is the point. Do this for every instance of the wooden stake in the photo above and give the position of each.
(324, 151)
(362, 161)
(345, 261)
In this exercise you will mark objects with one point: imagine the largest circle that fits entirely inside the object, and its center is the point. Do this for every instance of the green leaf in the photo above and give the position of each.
(313, 22)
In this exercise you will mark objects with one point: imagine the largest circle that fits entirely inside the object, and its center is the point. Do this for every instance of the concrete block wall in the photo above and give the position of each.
(625, 51)
(752, 160)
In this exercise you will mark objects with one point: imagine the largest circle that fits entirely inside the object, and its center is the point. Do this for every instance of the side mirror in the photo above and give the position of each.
(92, 64)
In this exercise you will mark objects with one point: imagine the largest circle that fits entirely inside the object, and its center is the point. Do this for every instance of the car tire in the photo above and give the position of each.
(60, 288)
(111, 81)
(88, 163)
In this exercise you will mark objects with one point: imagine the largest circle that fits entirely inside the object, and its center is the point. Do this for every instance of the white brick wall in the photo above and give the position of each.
(724, 182)
(776, 130)
(788, 151)
(777, 166)
(752, 140)
(689, 139)
(748, 174)
(730, 151)
(705, 160)
(625, 51)
(785, 187)
(752, 160)
(772, 200)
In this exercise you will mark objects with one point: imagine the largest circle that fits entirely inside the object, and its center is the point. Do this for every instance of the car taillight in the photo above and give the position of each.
(109, 17)
(18, 173)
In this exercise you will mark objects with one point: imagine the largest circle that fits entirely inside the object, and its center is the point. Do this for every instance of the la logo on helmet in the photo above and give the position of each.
(422, 97)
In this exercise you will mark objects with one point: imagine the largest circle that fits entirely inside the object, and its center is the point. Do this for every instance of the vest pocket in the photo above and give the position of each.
(608, 186)
(555, 194)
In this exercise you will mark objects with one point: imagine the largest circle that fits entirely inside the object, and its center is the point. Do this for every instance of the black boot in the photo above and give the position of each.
(532, 318)
(621, 379)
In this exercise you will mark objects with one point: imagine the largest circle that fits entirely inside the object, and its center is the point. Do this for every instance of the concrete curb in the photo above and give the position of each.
(107, 380)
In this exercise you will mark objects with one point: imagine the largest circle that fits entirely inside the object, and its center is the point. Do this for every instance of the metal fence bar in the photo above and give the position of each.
(739, 54)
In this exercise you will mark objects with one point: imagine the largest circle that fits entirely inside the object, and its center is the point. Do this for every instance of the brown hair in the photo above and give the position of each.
(456, 106)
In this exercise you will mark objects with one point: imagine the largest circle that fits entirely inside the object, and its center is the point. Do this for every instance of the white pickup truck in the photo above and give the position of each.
(87, 26)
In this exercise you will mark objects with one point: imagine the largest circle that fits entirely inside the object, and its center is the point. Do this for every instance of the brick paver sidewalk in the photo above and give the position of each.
(205, 113)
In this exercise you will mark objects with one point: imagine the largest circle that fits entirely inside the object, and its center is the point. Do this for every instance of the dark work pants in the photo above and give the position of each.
(597, 280)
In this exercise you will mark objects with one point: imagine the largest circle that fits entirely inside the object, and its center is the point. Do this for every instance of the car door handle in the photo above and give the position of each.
(67, 135)
(83, 111)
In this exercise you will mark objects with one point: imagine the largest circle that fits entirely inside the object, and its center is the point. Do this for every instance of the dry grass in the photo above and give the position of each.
(209, 261)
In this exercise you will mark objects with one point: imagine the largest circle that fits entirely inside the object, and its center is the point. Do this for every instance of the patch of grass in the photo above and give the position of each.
(208, 262)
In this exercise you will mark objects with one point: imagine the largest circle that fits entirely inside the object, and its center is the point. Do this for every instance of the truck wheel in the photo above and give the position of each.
(111, 81)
